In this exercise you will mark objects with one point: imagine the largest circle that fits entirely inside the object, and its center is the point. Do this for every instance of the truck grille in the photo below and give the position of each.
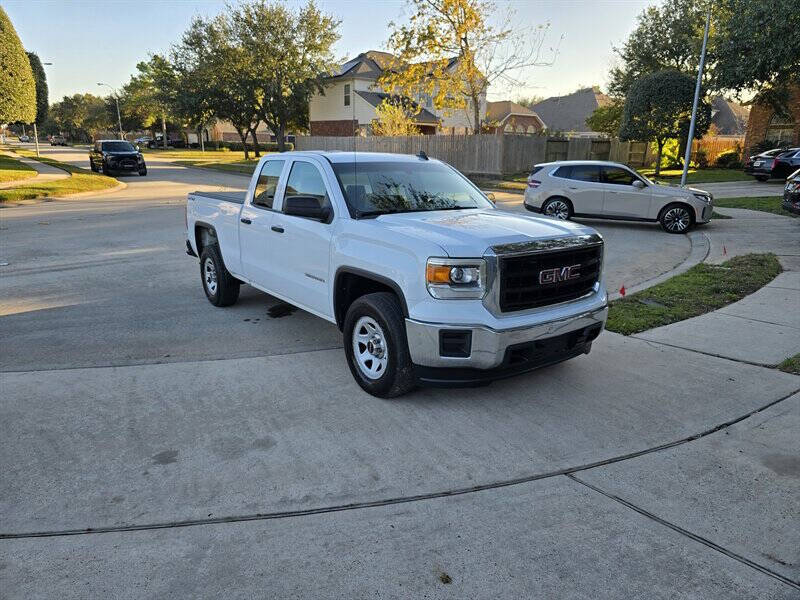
(539, 279)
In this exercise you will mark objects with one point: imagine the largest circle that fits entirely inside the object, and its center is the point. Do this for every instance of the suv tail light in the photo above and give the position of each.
(532, 183)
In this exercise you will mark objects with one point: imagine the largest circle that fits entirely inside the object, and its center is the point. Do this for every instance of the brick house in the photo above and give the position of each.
(352, 94)
(509, 117)
(767, 124)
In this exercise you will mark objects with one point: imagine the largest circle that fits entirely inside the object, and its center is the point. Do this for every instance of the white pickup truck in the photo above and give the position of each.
(429, 282)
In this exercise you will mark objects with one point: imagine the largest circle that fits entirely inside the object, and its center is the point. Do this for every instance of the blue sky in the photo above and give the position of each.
(89, 42)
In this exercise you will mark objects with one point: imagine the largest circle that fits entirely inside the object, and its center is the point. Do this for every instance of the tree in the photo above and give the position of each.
(606, 119)
(17, 85)
(40, 77)
(449, 51)
(150, 94)
(284, 55)
(757, 47)
(659, 107)
(80, 116)
(393, 119)
(529, 101)
(666, 37)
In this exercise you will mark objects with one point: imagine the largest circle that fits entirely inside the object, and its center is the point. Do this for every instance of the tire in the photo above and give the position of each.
(143, 172)
(676, 218)
(762, 178)
(92, 167)
(558, 208)
(104, 169)
(376, 346)
(221, 288)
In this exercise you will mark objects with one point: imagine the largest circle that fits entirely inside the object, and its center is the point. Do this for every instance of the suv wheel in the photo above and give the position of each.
(376, 347)
(221, 288)
(762, 177)
(558, 208)
(676, 218)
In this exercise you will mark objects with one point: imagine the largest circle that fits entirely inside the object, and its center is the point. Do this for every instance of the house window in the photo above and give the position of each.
(347, 94)
(780, 129)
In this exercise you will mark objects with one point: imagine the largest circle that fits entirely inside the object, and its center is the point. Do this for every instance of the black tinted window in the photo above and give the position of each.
(118, 147)
(268, 183)
(585, 173)
(305, 180)
(618, 176)
(564, 172)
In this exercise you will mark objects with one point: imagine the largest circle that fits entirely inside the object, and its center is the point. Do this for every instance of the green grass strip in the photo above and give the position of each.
(791, 365)
(700, 290)
(13, 170)
(769, 204)
(80, 180)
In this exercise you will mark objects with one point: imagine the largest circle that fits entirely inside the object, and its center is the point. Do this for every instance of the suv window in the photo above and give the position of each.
(618, 176)
(305, 180)
(579, 172)
(267, 183)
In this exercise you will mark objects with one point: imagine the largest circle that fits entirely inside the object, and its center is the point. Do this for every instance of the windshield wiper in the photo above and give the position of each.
(378, 213)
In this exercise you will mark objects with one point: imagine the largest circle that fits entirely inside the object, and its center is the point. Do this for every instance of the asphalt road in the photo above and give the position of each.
(152, 445)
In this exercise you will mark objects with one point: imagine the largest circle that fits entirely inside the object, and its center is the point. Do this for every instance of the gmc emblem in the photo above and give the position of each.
(549, 276)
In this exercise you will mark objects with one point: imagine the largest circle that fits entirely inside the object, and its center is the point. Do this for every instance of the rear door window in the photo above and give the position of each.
(267, 183)
(589, 173)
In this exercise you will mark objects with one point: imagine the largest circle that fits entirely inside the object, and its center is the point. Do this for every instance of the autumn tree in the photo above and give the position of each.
(17, 85)
(606, 119)
(659, 107)
(450, 51)
(393, 119)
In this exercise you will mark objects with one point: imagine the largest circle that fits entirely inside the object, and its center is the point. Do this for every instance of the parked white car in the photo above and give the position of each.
(608, 190)
(428, 281)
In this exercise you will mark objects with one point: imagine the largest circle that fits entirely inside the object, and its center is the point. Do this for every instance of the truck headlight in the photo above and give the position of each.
(456, 278)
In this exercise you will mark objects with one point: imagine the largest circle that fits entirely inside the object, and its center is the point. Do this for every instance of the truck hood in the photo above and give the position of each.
(469, 233)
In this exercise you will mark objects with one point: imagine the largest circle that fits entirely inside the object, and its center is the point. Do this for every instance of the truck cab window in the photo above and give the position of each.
(305, 180)
(264, 194)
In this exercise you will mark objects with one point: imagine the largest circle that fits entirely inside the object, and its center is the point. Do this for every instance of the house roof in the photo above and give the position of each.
(569, 113)
(502, 110)
(423, 116)
(371, 65)
(729, 117)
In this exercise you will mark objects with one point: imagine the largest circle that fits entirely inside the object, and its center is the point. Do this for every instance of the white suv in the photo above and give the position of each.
(607, 190)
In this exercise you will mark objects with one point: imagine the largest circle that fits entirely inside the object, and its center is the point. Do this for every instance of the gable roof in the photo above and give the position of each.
(375, 99)
(372, 64)
(569, 113)
(729, 117)
(502, 110)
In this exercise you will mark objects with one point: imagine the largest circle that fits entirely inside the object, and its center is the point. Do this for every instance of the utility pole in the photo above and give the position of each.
(690, 139)
(119, 118)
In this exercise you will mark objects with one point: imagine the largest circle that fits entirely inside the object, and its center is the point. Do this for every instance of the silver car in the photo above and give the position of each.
(608, 190)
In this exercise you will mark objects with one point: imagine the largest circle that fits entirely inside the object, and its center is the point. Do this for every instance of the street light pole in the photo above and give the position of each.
(692, 123)
(119, 118)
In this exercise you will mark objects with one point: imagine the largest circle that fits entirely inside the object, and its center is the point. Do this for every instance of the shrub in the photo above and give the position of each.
(729, 159)
(701, 159)
(265, 146)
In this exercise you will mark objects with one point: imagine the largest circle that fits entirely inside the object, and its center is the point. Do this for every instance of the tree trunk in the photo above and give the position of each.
(279, 135)
(200, 137)
(660, 144)
(163, 131)
(256, 147)
(243, 135)
(476, 115)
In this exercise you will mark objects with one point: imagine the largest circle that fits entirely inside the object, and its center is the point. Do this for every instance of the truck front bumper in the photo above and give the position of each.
(462, 355)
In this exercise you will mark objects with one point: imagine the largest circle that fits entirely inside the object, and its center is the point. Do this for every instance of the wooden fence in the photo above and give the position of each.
(492, 154)
(714, 146)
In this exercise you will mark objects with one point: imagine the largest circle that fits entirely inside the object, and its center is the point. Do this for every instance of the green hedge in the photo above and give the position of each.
(265, 146)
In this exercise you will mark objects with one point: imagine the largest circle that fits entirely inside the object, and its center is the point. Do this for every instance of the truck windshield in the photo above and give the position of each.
(378, 188)
(118, 147)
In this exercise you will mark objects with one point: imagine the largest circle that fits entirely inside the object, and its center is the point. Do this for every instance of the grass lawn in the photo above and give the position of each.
(13, 170)
(80, 180)
(710, 175)
(699, 290)
(219, 160)
(770, 204)
(235, 166)
(791, 365)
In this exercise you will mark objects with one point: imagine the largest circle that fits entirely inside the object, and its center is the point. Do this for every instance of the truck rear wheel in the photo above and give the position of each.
(221, 288)
(376, 346)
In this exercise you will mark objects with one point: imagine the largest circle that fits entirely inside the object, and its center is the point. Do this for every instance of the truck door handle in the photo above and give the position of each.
(277, 229)
(245, 220)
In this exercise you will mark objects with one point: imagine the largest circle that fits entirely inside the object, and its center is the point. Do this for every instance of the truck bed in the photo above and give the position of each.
(232, 197)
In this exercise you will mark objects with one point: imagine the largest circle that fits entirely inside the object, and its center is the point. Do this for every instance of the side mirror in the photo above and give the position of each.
(309, 207)
(638, 184)
(492, 198)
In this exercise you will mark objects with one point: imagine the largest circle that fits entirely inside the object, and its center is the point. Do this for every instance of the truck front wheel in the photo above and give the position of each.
(376, 346)
(221, 288)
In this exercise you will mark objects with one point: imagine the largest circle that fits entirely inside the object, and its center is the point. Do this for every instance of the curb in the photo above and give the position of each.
(700, 249)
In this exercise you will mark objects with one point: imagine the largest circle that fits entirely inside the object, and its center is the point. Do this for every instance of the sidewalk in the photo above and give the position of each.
(46, 173)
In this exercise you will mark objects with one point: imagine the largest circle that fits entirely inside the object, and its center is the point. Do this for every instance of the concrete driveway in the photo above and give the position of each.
(152, 445)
